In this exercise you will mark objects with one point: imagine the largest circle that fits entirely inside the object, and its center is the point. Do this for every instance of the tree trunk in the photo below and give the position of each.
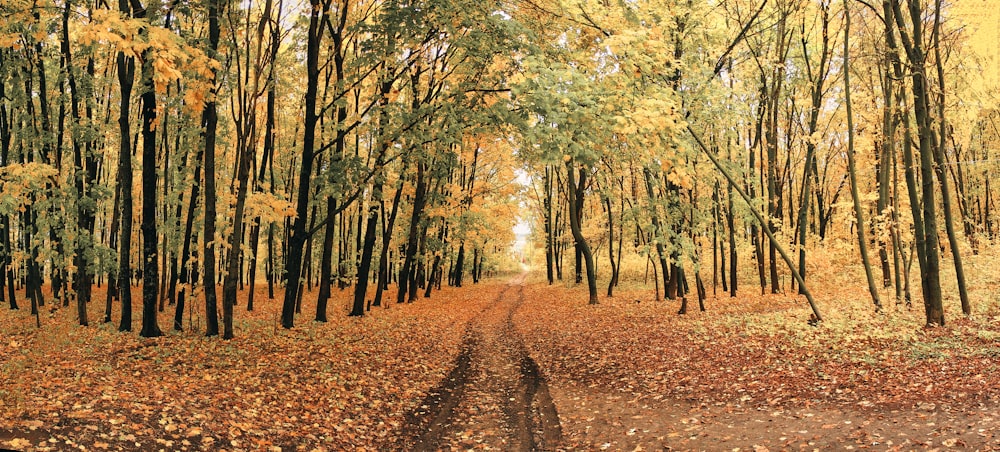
(658, 232)
(549, 228)
(611, 247)
(126, 76)
(6, 270)
(210, 120)
(852, 171)
(760, 219)
(419, 199)
(297, 240)
(150, 270)
(575, 227)
(939, 164)
(383, 266)
(927, 244)
(85, 178)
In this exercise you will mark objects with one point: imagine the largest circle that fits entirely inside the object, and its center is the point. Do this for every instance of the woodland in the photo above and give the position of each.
(498, 224)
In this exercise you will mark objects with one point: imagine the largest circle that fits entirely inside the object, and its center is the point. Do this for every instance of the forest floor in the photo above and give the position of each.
(514, 365)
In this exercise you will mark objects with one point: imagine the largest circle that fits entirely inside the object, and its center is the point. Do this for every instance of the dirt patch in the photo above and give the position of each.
(428, 423)
(494, 396)
(629, 375)
(599, 419)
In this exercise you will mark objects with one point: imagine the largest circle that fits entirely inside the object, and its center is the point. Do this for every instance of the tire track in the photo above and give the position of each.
(495, 394)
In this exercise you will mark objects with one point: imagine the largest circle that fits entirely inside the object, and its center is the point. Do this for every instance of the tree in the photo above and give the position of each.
(210, 121)
(924, 218)
(319, 13)
(150, 268)
(851, 170)
(575, 190)
(126, 77)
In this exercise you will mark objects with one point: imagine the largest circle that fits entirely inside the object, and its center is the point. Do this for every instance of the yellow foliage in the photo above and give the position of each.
(9, 40)
(268, 207)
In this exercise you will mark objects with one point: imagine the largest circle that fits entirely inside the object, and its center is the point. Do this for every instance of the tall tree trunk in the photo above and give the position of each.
(184, 276)
(6, 270)
(885, 168)
(658, 232)
(730, 225)
(84, 179)
(549, 230)
(760, 219)
(326, 270)
(210, 121)
(816, 91)
(150, 270)
(851, 166)
(266, 160)
(939, 164)
(927, 245)
(368, 248)
(326, 259)
(383, 266)
(296, 243)
(611, 247)
(126, 76)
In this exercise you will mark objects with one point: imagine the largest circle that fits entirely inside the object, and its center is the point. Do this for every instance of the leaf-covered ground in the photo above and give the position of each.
(626, 374)
(334, 386)
(752, 373)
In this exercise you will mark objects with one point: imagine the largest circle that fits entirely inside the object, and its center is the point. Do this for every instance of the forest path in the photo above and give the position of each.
(494, 395)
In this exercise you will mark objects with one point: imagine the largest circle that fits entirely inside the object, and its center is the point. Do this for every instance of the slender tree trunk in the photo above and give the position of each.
(266, 162)
(851, 166)
(126, 76)
(383, 271)
(730, 225)
(939, 164)
(575, 227)
(84, 180)
(760, 219)
(816, 98)
(6, 270)
(611, 247)
(184, 277)
(293, 263)
(658, 232)
(927, 245)
(210, 121)
(419, 199)
(549, 229)
(885, 167)
(150, 269)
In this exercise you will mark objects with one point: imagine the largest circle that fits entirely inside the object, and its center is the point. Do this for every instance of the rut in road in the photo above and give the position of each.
(494, 395)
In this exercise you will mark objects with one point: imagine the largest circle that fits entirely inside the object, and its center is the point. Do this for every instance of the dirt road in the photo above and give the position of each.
(494, 396)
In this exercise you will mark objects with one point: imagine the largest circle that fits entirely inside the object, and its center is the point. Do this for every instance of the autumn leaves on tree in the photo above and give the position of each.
(390, 146)
(388, 88)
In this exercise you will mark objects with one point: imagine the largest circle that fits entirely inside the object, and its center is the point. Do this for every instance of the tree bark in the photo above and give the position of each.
(939, 164)
(150, 269)
(293, 263)
(126, 76)
(927, 243)
(851, 166)
(210, 120)
(575, 227)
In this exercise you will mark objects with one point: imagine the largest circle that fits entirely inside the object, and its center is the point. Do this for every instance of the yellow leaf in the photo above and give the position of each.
(19, 443)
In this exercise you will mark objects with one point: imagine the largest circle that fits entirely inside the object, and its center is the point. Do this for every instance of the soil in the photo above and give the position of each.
(509, 388)
(494, 396)
(595, 419)
(497, 398)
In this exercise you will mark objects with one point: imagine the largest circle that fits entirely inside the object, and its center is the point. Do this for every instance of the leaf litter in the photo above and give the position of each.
(627, 374)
